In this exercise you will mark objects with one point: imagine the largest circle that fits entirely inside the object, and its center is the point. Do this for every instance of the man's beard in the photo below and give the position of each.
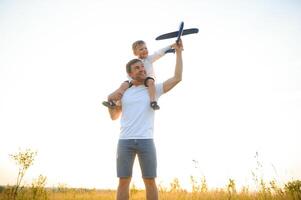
(140, 77)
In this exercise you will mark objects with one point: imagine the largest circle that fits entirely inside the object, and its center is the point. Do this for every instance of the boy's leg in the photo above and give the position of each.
(150, 84)
(116, 95)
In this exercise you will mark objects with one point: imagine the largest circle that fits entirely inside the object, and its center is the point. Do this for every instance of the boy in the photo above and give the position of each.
(140, 50)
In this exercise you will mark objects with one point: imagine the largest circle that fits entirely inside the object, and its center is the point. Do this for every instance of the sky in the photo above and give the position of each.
(239, 103)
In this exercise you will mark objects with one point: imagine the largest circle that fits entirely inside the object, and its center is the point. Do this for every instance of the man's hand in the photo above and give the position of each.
(179, 46)
(116, 112)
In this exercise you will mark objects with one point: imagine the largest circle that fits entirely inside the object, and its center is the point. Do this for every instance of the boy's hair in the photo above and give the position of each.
(130, 63)
(137, 43)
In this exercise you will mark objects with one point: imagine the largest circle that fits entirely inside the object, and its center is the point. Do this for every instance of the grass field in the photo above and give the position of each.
(264, 190)
(291, 191)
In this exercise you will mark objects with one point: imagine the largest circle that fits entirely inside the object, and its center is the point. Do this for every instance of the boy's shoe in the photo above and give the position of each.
(154, 105)
(109, 104)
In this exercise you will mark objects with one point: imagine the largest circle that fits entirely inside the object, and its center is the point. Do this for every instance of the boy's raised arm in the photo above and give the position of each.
(161, 52)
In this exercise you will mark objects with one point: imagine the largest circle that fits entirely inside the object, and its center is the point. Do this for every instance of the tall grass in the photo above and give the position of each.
(199, 189)
(291, 191)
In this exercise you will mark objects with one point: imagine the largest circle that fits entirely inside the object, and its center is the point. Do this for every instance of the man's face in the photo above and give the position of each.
(137, 71)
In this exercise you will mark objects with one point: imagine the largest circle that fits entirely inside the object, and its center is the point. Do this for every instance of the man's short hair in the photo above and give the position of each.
(130, 63)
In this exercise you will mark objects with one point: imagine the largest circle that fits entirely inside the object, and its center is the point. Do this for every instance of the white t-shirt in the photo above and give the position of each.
(137, 118)
(149, 60)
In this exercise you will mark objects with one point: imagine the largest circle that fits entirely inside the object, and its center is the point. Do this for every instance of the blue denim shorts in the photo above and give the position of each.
(145, 150)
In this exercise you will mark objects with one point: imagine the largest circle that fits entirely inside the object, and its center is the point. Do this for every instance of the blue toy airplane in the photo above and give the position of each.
(177, 34)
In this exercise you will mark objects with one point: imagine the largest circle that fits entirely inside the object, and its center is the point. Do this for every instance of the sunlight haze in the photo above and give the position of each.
(240, 95)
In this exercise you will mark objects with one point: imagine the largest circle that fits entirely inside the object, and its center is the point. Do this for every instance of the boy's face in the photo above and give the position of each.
(137, 71)
(141, 51)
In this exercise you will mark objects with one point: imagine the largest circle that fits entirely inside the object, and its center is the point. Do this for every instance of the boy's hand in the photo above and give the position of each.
(173, 46)
(115, 96)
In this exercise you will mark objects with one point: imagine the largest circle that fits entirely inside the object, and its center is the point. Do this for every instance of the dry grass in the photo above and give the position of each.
(199, 189)
(291, 191)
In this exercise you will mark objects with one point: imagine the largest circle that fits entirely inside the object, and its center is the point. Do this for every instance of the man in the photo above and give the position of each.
(137, 122)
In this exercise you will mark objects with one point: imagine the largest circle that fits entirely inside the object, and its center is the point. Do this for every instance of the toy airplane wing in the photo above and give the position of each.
(176, 34)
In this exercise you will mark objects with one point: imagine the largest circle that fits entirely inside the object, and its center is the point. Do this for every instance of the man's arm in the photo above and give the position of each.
(115, 113)
(173, 81)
